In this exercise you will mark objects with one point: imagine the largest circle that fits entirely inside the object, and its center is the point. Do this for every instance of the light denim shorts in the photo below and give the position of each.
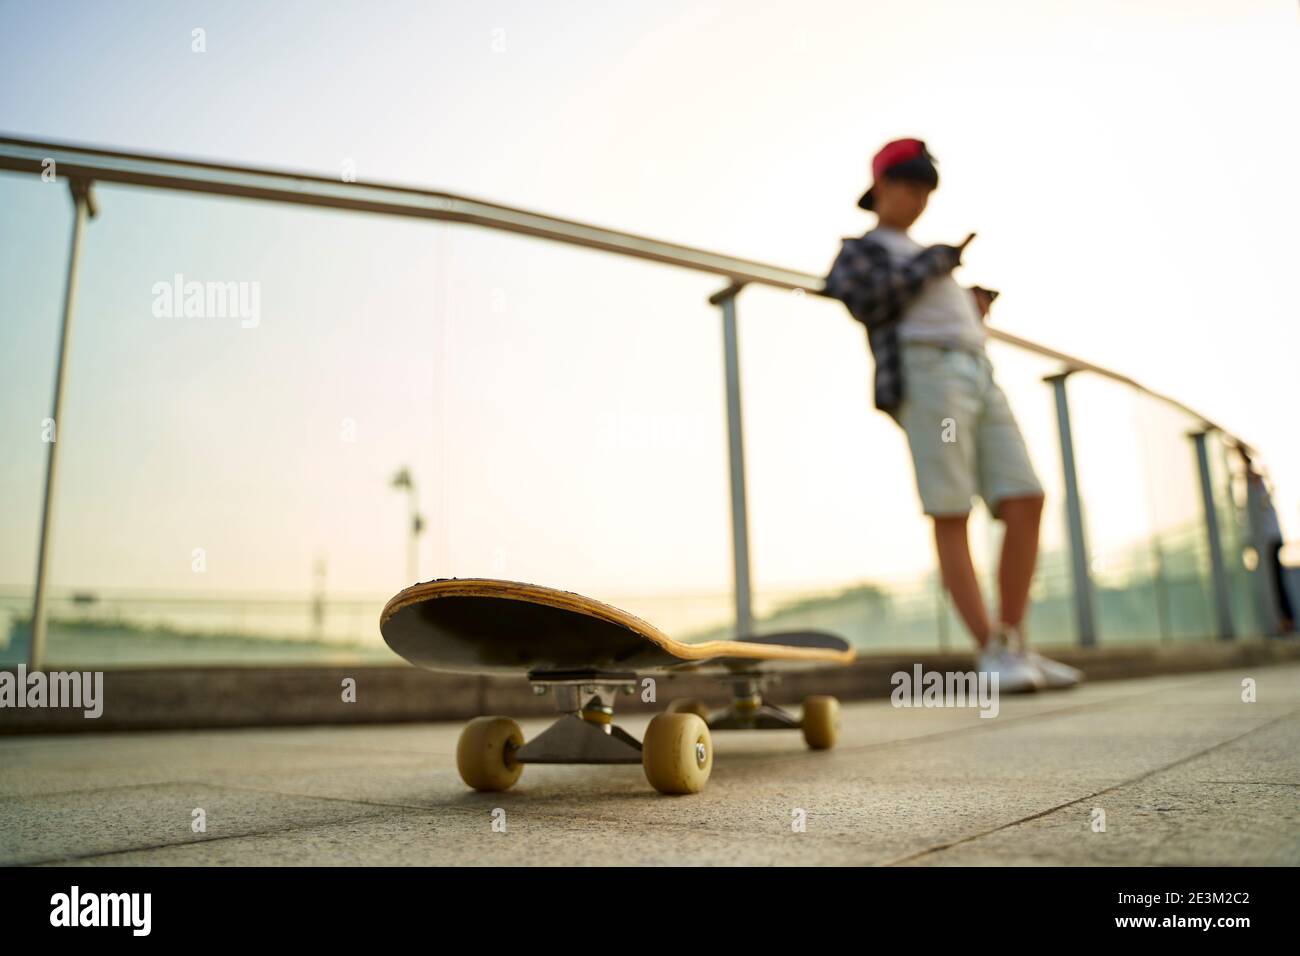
(963, 436)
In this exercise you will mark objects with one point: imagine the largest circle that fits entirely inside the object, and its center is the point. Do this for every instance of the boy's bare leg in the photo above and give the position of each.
(1021, 517)
(959, 575)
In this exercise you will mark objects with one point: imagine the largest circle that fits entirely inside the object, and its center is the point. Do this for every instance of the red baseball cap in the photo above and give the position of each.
(901, 159)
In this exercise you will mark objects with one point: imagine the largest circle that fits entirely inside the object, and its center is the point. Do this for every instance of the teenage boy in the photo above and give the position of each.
(935, 380)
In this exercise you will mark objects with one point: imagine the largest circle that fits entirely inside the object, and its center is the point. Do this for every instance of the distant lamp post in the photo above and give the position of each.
(403, 479)
(318, 599)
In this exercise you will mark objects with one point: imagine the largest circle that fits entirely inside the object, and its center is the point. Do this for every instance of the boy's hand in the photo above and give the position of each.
(983, 299)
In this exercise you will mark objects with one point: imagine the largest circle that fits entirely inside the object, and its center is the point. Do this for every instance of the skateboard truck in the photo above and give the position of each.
(748, 711)
(586, 732)
(819, 723)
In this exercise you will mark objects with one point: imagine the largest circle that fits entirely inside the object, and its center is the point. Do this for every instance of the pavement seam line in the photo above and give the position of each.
(941, 847)
(361, 818)
(73, 858)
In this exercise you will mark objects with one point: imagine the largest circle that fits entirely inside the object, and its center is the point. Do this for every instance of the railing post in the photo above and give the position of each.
(1263, 587)
(736, 452)
(1084, 617)
(1218, 570)
(83, 202)
(1237, 537)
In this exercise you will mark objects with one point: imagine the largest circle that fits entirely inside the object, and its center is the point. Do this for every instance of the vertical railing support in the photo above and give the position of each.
(736, 452)
(1263, 587)
(1218, 570)
(83, 202)
(1084, 615)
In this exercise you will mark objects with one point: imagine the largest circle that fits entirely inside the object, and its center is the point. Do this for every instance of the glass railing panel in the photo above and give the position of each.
(837, 536)
(1125, 556)
(1177, 532)
(34, 236)
(839, 539)
(1050, 619)
(226, 483)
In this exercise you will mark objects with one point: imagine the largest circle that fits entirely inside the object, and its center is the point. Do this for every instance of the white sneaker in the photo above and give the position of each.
(1016, 674)
(1057, 676)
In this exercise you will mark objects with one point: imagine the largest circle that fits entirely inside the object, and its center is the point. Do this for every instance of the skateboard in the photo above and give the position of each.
(585, 653)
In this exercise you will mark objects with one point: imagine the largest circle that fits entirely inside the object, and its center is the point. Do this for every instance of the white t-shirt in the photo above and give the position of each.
(944, 312)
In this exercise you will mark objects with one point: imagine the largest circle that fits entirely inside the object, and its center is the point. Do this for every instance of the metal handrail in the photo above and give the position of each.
(164, 172)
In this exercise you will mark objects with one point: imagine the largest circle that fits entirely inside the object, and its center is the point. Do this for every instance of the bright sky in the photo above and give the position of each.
(1124, 164)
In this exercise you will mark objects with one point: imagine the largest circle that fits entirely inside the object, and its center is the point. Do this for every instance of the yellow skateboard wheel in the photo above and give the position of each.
(821, 722)
(677, 753)
(485, 753)
(690, 705)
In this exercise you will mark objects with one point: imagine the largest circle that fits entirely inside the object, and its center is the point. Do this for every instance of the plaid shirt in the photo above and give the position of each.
(877, 292)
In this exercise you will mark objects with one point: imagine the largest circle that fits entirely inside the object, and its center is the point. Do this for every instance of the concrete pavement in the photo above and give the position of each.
(1184, 771)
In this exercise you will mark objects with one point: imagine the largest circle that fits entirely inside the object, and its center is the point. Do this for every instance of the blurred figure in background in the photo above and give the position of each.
(1267, 532)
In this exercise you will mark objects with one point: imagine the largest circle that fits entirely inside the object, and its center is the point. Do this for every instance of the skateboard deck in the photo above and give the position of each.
(482, 625)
